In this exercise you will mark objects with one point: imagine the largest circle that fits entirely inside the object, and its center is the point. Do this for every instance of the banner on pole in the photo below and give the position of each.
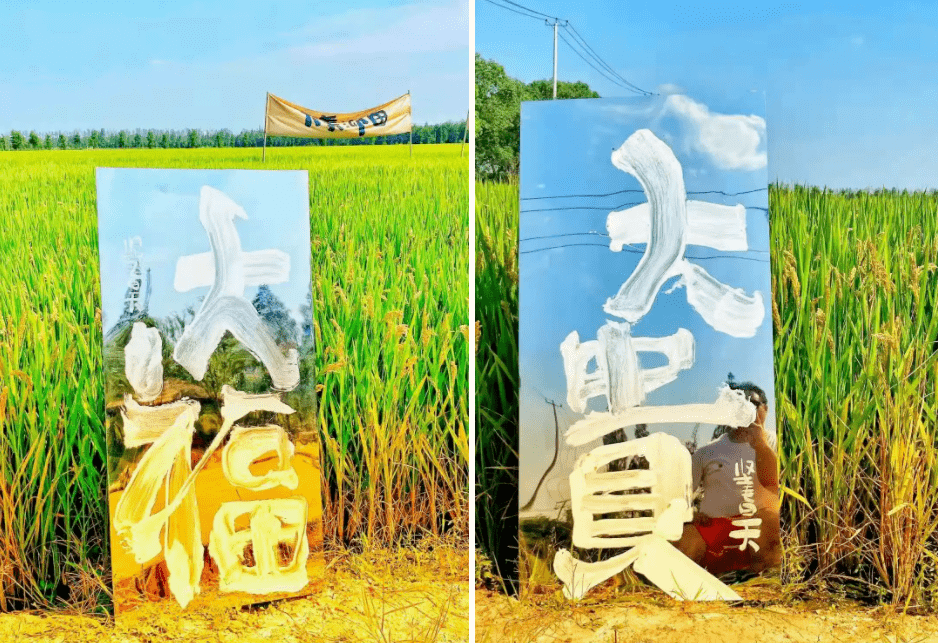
(289, 119)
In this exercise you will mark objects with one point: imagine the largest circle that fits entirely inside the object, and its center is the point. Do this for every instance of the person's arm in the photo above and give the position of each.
(696, 468)
(766, 460)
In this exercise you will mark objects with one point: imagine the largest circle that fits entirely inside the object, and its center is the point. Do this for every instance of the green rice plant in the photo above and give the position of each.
(390, 296)
(496, 363)
(855, 314)
(856, 288)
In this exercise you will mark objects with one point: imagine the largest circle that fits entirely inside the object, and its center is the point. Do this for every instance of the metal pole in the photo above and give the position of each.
(555, 59)
(465, 134)
(411, 127)
(266, 107)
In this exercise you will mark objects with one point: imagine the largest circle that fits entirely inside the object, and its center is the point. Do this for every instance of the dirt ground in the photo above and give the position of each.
(607, 615)
(392, 597)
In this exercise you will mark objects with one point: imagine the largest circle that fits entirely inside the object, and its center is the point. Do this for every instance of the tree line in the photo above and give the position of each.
(448, 132)
(498, 116)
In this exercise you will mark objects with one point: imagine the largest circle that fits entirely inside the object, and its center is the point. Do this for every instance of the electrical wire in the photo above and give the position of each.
(616, 77)
(513, 10)
(593, 233)
(574, 196)
(603, 245)
(582, 41)
(601, 72)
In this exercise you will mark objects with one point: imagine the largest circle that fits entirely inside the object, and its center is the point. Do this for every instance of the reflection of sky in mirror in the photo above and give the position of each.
(161, 207)
(565, 151)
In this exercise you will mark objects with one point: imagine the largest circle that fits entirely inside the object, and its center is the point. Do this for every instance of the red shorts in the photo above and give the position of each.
(723, 553)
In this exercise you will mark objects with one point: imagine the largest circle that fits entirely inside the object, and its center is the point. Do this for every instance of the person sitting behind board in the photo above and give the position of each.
(737, 524)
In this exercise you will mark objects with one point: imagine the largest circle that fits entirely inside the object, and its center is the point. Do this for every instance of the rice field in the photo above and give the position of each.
(390, 301)
(855, 313)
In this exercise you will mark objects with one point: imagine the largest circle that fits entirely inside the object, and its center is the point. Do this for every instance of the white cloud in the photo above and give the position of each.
(393, 30)
(670, 88)
(733, 142)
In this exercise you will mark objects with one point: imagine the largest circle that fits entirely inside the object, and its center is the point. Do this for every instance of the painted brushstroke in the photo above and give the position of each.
(594, 492)
(145, 424)
(225, 307)
(247, 444)
(139, 497)
(726, 309)
(618, 374)
(731, 408)
(654, 558)
(167, 465)
(667, 223)
(260, 267)
(143, 361)
(144, 526)
(271, 522)
(182, 536)
(680, 577)
(651, 161)
(722, 227)
(579, 577)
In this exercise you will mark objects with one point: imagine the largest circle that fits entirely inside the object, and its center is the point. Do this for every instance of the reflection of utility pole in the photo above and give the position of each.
(552, 462)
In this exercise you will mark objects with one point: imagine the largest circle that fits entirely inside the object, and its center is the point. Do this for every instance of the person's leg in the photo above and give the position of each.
(769, 555)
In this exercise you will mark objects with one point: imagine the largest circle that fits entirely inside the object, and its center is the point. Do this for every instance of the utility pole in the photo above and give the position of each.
(556, 23)
(530, 502)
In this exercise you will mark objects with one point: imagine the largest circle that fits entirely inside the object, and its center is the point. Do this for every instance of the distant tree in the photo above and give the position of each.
(193, 138)
(498, 120)
(102, 138)
(730, 378)
(164, 140)
(498, 100)
(17, 142)
(63, 142)
(151, 139)
(692, 443)
(94, 141)
(138, 140)
(47, 142)
(544, 90)
(3, 143)
(122, 139)
(306, 311)
(76, 140)
(617, 437)
(276, 316)
(34, 141)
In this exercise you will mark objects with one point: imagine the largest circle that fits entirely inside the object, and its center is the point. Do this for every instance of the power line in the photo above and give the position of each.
(553, 462)
(574, 196)
(607, 208)
(514, 10)
(601, 72)
(616, 78)
(576, 35)
(586, 207)
(593, 233)
(603, 245)
(544, 15)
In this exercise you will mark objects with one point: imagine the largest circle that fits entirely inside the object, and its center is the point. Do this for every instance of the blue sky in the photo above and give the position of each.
(565, 150)
(851, 87)
(162, 208)
(209, 64)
